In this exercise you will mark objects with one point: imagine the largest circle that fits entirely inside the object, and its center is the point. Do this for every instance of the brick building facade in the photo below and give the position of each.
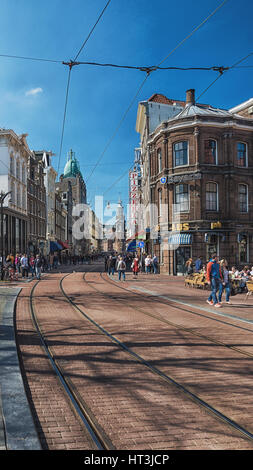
(201, 170)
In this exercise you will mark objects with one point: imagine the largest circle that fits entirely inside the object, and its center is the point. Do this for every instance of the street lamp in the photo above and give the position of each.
(2, 198)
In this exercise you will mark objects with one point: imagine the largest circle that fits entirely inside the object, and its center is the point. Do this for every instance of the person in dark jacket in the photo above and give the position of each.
(214, 279)
(38, 266)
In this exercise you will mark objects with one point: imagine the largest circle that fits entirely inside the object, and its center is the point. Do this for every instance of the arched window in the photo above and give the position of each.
(243, 197)
(212, 196)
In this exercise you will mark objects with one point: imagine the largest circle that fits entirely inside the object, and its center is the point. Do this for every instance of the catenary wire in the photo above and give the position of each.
(194, 30)
(148, 74)
(30, 58)
(90, 33)
(64, 118)
(68, 83)
(118, 127)
(221, 73)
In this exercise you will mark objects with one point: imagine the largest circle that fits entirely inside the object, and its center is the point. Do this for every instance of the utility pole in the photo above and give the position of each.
(2, 198)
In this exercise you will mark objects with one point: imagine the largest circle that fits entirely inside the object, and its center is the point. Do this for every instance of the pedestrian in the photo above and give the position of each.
(155, 264)
(121, 267)
(189, 266)
(225, 284)
(17, 263)
(38, 266)
(31, 265)
(214, 279)
(198, 264)
(24, 265)
(113, 264)
(109, 262)
(55, 261)
(148, 262)
(135, 266)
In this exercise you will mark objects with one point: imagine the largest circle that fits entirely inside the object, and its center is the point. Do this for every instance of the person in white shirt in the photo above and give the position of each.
(24, 265)
(148, 263)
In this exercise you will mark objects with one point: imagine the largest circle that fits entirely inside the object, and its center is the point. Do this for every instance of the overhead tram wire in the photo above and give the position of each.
(118, 127)
(148, 74)
(64, 119)
(195, 30)
(70, 64)
(38, 59)
(235, 65)
(90, 33)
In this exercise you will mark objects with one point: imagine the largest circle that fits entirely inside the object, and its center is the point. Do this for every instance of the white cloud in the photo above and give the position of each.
(33, 91)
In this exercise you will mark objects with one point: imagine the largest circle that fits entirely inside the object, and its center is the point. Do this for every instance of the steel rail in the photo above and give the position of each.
(163, 301)
(97, 435)
(168, 379)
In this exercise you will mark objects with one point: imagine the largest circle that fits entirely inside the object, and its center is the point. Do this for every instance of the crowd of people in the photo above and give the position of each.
(220, 277)
(135, 263)
(28, 265)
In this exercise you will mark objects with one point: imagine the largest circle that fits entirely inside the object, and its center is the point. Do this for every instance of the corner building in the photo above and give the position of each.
(201, 168)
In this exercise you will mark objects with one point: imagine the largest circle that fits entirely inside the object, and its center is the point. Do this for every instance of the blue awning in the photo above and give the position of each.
(54, 246)
(180, 239)
(132, 246)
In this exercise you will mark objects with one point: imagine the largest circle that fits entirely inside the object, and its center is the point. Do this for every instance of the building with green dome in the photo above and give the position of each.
(72, 189)
(72, 167)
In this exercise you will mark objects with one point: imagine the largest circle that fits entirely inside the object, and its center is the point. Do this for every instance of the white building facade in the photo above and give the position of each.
(14, 155)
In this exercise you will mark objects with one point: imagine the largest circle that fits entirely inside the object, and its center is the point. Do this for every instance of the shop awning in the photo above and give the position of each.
(180, 239)
(64, 245)
(54, 246)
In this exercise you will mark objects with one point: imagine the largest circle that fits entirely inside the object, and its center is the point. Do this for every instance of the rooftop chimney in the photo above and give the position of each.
(190, 97)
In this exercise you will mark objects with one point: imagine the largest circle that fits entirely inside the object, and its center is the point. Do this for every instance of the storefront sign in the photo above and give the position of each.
(216, 225)
(180, 227)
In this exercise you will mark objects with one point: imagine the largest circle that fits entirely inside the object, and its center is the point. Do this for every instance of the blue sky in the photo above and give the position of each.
(131, 32)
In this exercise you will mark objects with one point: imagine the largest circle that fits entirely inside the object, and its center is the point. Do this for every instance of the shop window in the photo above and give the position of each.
(243, 198)
(212, 246)
(210, 151)
(211, 196)
(181, 198)
(243, 248)
(241, 154)
(180, 152)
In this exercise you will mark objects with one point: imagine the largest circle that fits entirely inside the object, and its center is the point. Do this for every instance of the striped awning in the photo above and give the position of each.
(180, 239)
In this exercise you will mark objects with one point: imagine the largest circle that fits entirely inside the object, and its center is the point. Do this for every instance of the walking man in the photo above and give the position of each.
(121, 268)
(214, 278)
(38, 266)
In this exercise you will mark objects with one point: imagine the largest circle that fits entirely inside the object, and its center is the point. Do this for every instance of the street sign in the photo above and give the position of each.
(163, 180)
(141, 244)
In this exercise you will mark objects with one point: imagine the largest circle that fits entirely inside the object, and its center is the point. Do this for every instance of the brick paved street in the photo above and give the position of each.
(136, 408)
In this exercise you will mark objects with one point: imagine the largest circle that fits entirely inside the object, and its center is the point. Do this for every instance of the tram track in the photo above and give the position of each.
(165, 377)
(94, 430)
(181, 327)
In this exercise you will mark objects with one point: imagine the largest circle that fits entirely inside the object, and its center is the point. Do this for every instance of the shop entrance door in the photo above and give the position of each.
(182, 254)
